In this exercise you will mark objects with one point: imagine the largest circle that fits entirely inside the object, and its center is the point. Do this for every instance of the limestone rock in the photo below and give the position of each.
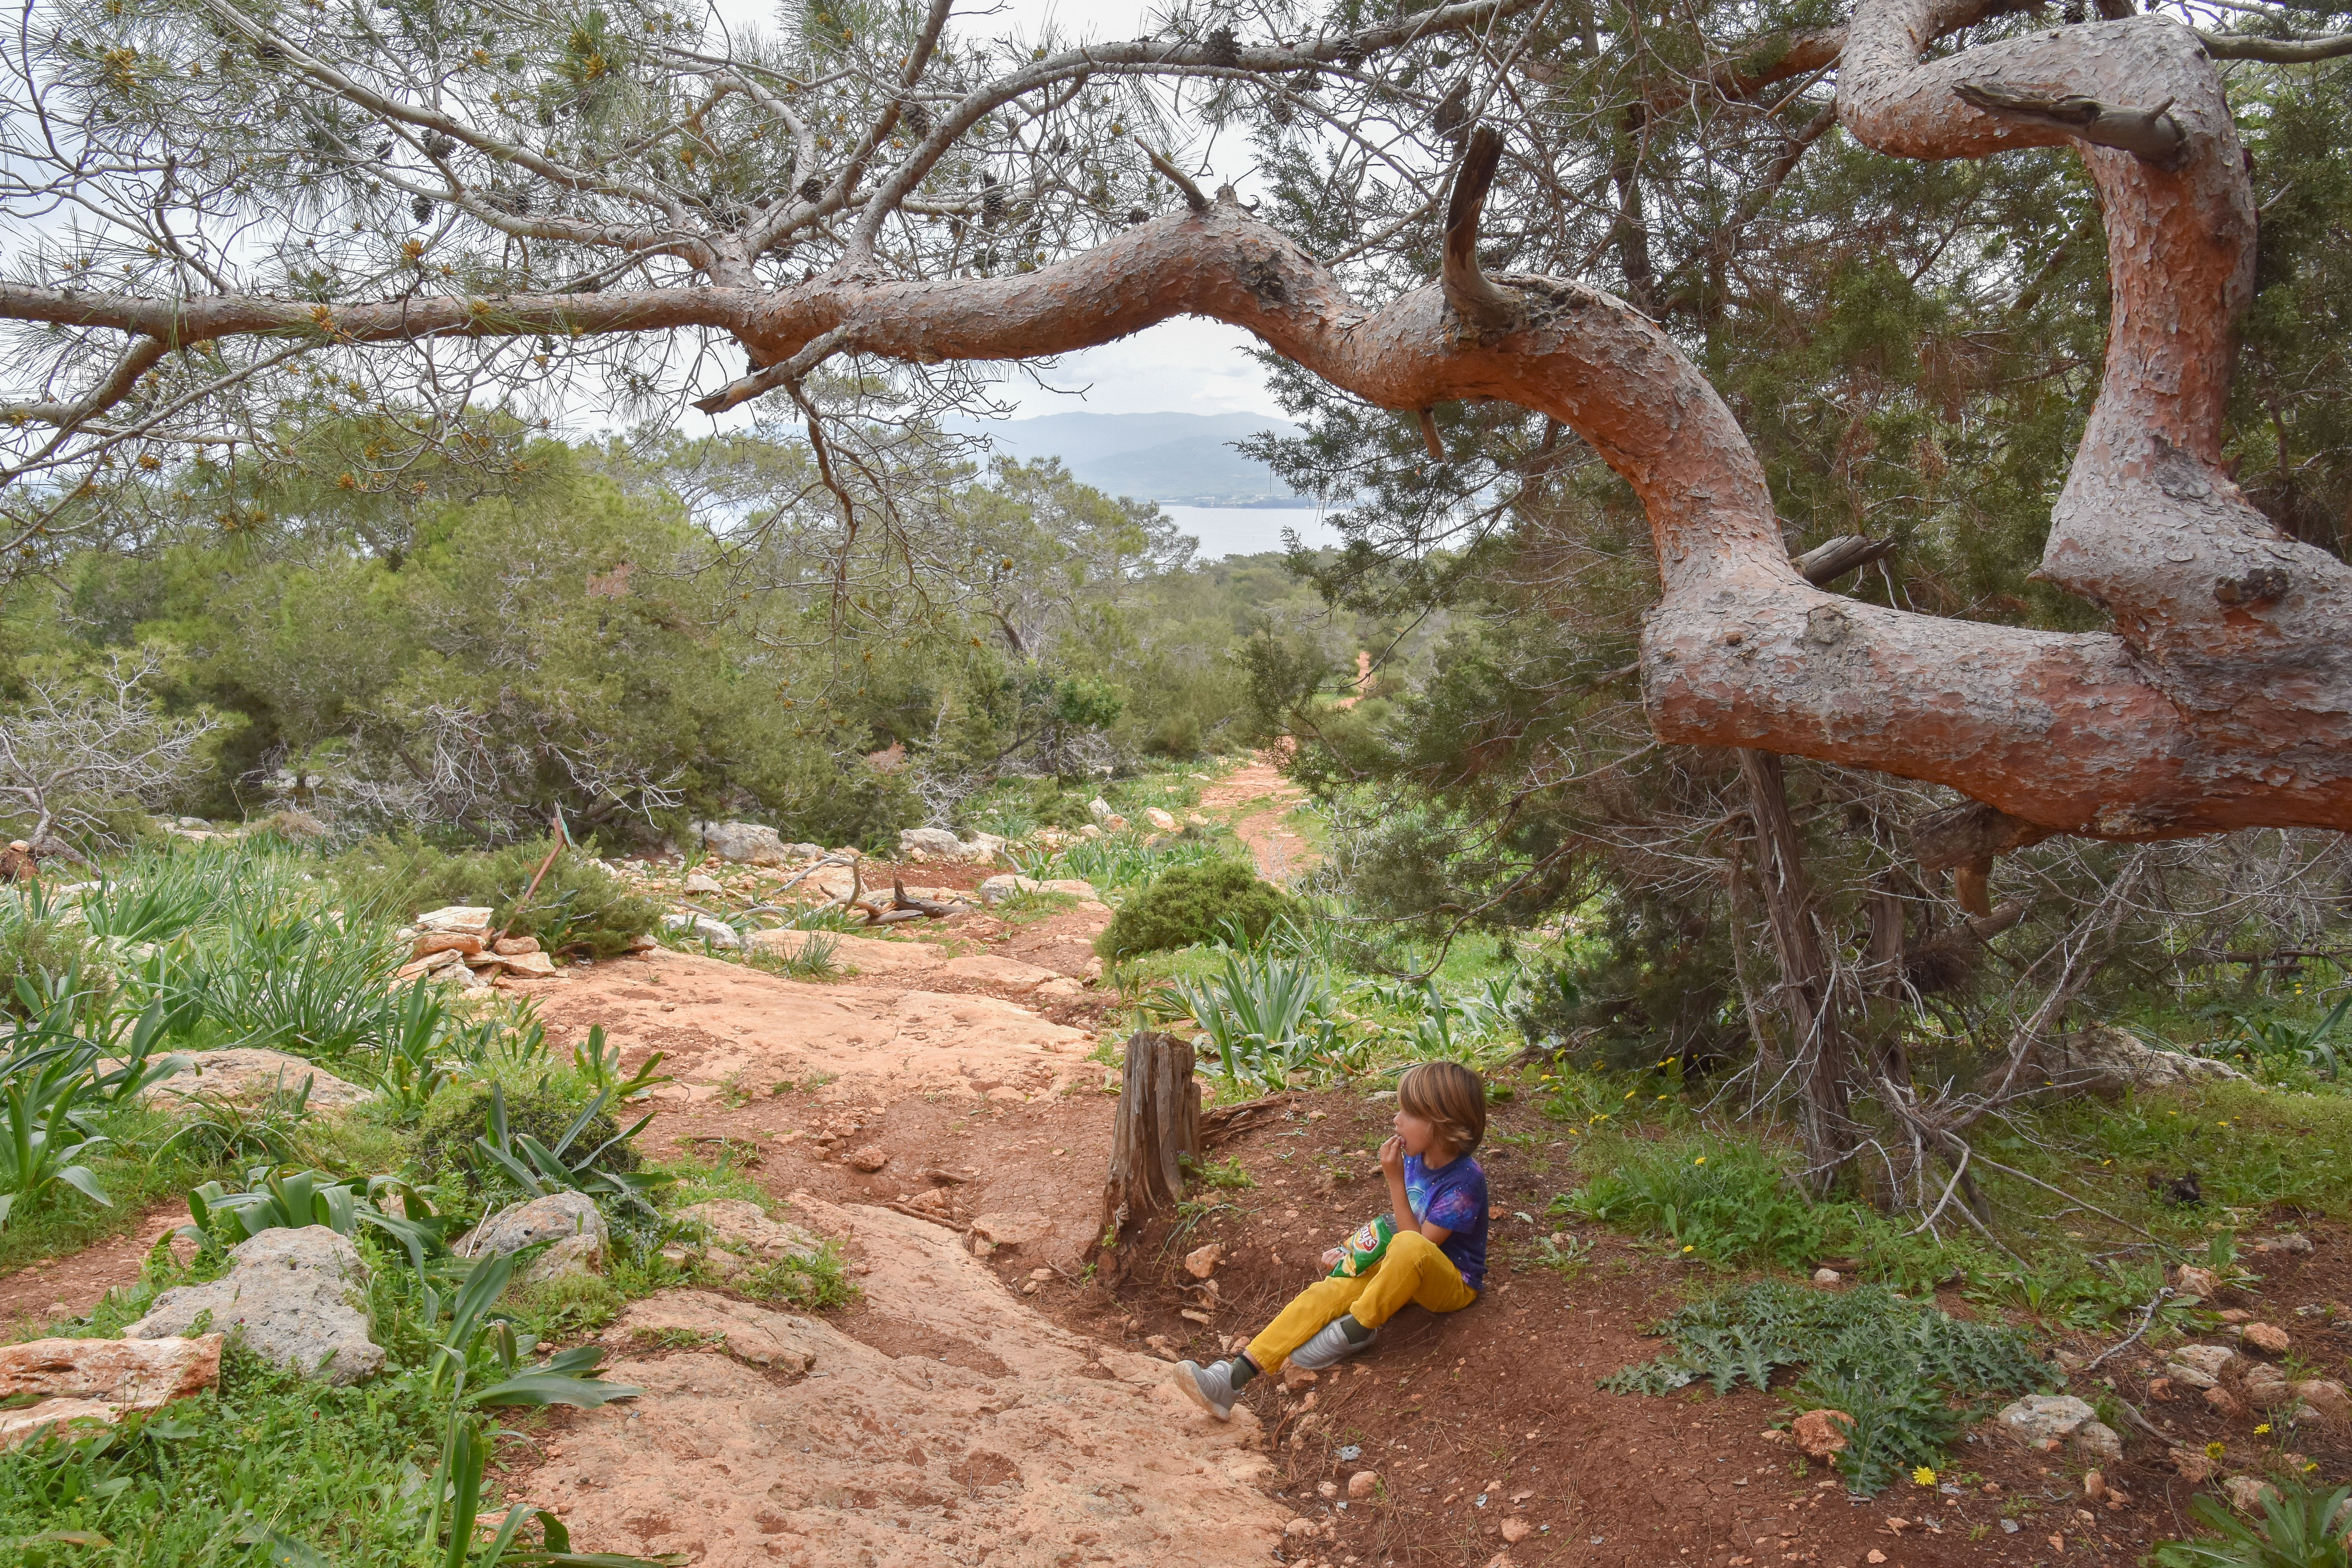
(1015, 1229)
(2108, 1061)
(1040, 1438)
(2292, 1241)
(526, 965)
(870, 1158)
(1006, 974)
(1201, 1261)
(1363, 1484)
(999, 887)
(2194, 1466)
(2199, 1366)
(466, 920)
(2326, 1399)
(701, 883)
(1159, 819)
(864, 956)
(2267, 1338)
(16, 1425)
(2044, 1420)
(741, 1235)
(776, 1341)
(717, 933)
(1827, 1277)
(744, 843)
(930, 841)
(2202, 1283)
(463, 943)
(249, 1074)
(570, 1220)
(515, 946)
(298, 1298)
(2096, 1441)
(1822, 1432)
(2248, 1493)
(122, 1374)
(2267, 1387)
(1516, 1530)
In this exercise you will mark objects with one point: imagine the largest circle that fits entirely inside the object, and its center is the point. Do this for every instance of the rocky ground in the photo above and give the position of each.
(943, 1110)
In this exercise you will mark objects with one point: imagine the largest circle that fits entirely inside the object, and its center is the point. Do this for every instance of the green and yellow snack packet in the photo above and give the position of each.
(1363, 1248)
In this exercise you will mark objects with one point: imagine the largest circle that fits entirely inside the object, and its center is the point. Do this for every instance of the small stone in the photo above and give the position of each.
(472, 919)
(2202, 1283)
(1516, 1530)
(701, 883)
(2328, 1399)
(1363, 1484)
(869, 1159)
(2096, 1440)
(1822, 1432)
(1827, 1277)
(1042, 1276)
(2291, 1241)
(1875, 1556)
(2267, 1338)
(2040, 1420)
(464, 944)
(1201, 1261)
(2094, 1486)
(2226, 1404)
(570, 1220)
(1159, 819)
(1162, 1346)
(2199, 1366)
(1029, 1287)
(1299, 1527)
(744, 843)
(514, 946)
(2267, 1387)
(2248, 1493)
(2192, 1466)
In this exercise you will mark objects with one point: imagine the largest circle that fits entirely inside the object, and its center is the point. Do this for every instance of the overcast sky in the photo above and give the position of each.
(1182, 366)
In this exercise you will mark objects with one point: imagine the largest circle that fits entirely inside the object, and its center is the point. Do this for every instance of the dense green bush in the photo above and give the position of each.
(445, 1141)
(1193, 903)
(578, 907)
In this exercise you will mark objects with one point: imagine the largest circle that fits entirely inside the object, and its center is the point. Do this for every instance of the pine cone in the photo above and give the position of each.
(1224, 51)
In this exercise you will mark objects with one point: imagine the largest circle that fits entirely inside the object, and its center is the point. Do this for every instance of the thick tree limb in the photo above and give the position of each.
(1475, 298)
(2275, 51)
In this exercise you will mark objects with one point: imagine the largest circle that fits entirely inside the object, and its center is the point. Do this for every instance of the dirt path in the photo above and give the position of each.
(69, 1286)
(1281, 852)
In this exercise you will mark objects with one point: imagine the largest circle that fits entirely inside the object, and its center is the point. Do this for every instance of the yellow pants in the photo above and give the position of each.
(1411, 1270)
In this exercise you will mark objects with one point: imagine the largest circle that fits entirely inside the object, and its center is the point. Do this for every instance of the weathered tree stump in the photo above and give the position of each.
(1159, 1124)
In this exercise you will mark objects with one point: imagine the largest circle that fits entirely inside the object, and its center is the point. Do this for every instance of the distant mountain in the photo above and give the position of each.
(1184, 459)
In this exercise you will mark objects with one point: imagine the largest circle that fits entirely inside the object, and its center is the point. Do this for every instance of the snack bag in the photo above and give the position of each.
(1364, 1247)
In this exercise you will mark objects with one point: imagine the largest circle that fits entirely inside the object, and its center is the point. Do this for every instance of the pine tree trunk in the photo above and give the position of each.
(1159, 1120)
(1820, 1056)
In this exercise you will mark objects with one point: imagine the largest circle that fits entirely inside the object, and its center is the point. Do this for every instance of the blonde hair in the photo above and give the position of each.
(1451, 1098)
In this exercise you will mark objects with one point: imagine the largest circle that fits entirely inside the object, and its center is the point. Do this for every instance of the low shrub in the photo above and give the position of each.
(445, 1141)
(579, 907)
(1726, 1201)
(1193, 903)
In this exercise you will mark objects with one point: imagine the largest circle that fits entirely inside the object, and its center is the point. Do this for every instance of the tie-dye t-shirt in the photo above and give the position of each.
(1453, 1196)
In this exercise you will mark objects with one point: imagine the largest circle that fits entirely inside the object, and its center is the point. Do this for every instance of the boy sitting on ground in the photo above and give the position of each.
(1437, 1259)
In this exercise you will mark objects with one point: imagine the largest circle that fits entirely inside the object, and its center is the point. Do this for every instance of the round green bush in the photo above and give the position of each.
(445, 1141)
(1193, 903)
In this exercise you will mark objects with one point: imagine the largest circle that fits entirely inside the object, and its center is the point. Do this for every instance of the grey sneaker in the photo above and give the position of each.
(1210, 1387)
(1329, 1345)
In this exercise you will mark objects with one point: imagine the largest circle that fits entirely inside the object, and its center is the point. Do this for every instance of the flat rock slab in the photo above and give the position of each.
(101, 1380)
(298, 1298)
(718, 1020)
(854, 1456)
(249, 1074)
(862, 955)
